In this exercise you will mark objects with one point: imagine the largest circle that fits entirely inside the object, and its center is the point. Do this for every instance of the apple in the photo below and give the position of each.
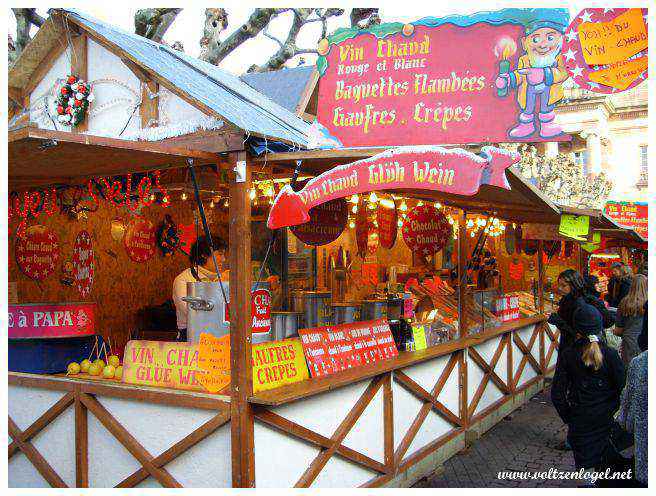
(73, 368)
(95, 369)
(100, 362)
(114, 360)
(84, 365)
(118, 373)
(108, 371)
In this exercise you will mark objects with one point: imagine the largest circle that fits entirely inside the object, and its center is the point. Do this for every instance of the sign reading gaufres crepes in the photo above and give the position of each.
(449, 170)
(51, 320)
(487, 77)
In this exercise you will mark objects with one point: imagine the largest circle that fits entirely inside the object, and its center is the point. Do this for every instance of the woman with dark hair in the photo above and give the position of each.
(586, 388)
(572, 288)
(630, 314)
(201, 268)
(619, 284)
(591, 283)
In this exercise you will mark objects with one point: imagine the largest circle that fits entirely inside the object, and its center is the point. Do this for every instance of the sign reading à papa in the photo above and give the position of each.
(449, 170)
(487, 77)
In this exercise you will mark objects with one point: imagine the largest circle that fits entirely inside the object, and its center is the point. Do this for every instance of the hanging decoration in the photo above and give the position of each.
(516, 269)
(83, 263)
(426, 230)
(140, 240)
(326, 224)
(73, 99)
(37, 252)
(387, 219)
(66, 277)
(509, 240)
(187, 234)
(31, 206)
(120, 191)
(366, 233)
(167, 236)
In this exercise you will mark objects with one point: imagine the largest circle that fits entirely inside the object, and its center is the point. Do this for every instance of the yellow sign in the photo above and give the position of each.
(574, 226)
(278, 363)
(594, 244)
(419, 336)
(163, 364)
(214, 358)
(613, 41)
(622, 74)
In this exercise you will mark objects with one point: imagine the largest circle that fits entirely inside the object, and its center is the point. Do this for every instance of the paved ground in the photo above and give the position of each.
(527, 440)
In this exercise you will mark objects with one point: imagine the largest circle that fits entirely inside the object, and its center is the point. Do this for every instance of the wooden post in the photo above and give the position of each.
(241, 359)
(388, 423)
(462, 273)
(81, 444)
(79, 68)
(541, 276)
(149, 109)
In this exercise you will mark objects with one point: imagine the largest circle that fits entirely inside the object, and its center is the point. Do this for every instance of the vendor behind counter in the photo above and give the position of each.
(202, 269)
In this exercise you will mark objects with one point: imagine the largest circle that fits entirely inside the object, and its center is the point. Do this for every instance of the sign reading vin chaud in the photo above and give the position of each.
(488, 77)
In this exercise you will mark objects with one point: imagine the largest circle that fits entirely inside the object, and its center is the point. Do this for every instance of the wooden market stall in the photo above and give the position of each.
(382, 423)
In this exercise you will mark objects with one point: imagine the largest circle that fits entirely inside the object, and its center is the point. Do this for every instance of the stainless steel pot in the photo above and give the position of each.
(284, 325)
(374, 309)
(346, 313)
(317, 308)
(207, 311)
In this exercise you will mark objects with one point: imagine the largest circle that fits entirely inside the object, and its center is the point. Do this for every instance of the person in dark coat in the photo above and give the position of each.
(572, 288)
(619, 284)
(642, 339)
(586, 389)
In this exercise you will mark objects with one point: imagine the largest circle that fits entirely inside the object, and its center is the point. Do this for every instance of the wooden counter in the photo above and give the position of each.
(313, 386)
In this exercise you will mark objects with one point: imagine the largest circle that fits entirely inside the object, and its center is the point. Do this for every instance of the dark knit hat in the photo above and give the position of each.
(587, 320)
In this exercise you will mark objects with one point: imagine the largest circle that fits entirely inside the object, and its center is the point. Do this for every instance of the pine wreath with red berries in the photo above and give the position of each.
(73, 100)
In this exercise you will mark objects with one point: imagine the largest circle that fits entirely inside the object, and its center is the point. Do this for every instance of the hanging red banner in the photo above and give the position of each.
(426, 230)
(327, 222)
(449, 170)
(387, 225)
(633, 215)
(37, 252)
(83, 265)
(140, 240)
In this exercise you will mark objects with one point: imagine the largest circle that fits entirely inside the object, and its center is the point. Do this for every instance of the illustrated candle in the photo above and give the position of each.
(505, 48)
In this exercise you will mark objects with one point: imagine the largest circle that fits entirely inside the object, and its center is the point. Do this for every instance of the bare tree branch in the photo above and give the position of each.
(364, 18)
(213, 50)
(25, 18)
(153, 23)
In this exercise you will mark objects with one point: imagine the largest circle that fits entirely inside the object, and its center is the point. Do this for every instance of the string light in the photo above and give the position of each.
(403, 207)
(355, 198)
(438, 205)
(183, 197)
(420, 203)
(399, 223)
(251, 194)
(354, 209)
(351, 224)
(212, 204)
(372, 197)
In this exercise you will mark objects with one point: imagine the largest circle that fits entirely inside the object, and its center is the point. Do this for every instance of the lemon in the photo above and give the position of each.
(95, 369)
(108, 371)
(73, 368)
(84, 365)
(118, 373)
(114, 360)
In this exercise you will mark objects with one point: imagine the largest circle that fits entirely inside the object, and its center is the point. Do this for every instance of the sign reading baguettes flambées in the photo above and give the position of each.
(486, 77)
(449, 170)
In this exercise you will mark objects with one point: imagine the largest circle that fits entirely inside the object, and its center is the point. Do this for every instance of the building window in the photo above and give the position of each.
(581, 159)
(643, 182)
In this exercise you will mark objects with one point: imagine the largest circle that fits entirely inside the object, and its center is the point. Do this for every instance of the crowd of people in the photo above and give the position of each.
(598, 391)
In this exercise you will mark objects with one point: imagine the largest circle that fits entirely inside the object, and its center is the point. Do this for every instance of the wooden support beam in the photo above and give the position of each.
(241, 358)
(128, 441)
(415, 389)
(149, 109)
(388, 423)
(81, 444)
(35, 458)
(79, 68)
(541, 275)
(462, 273)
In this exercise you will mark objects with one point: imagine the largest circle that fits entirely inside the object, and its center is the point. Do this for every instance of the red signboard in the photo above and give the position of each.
(387, 226)
(327, 222)
(336, 348)
(450, 170)
(426, 230)
(630, 214)
(488, 77)
(37, 252)
(140, 240)
(260, 311)
(51, 320)
(83, 264)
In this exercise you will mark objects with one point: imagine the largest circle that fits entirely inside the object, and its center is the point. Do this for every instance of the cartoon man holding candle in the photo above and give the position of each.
(538, 77)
